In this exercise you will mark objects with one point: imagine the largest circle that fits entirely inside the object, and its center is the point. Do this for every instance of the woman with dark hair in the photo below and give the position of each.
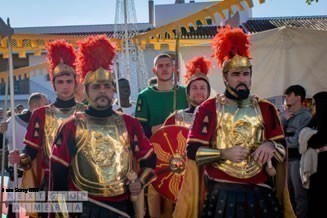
(317, 141)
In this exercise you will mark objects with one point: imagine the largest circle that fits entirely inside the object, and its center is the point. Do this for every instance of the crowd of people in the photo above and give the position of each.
(242, 157)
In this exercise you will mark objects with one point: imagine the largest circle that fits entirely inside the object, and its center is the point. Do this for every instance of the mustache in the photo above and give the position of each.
(242, 84)
(102, 96)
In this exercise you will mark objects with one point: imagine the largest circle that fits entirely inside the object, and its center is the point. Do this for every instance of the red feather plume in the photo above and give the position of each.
(93, 53)
(228, 42)
(197, 64)
(60, 50)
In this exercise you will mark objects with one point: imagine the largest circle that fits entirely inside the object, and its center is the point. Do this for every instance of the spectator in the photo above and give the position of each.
(19, 109)
(314, 139)
(126, 105)
(35, 101)
(294, 119)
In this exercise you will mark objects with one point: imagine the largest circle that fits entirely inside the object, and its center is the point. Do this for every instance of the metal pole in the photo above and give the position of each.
(117, 85)
(12, 101)
(126, 38)
(4, 147)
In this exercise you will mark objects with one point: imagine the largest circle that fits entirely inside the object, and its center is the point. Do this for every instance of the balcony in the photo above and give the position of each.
(21, 87)
(26, 87)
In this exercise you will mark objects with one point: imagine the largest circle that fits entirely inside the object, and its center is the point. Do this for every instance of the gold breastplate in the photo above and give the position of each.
(102, 160)
(183, 119)
(239, 124)
(53, 118)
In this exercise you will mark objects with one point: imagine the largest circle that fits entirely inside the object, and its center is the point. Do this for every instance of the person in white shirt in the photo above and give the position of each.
(126, 105)
(21, 120)
(36, 100)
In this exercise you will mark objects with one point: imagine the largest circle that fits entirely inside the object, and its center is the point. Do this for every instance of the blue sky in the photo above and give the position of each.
(80, 12)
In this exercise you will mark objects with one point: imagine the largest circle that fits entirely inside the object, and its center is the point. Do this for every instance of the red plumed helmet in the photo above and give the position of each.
(198, 67)
(229, 44)
(61, 57)
(95, 59)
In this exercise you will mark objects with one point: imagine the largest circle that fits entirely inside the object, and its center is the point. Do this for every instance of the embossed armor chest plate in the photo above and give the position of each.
(53, 118)
(102, 160)
(239, 125)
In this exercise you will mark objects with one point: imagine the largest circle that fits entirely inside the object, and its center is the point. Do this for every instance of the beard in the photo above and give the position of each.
(102, 98)
(241, 93)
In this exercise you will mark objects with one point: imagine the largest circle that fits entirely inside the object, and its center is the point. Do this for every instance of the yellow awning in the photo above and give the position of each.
(157, 36)
(26, 72)
(35, 43)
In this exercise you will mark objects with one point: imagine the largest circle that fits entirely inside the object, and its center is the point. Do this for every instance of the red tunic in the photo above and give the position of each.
(35, 129)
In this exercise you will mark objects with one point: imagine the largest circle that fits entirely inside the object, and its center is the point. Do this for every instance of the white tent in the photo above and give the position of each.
(280, 57)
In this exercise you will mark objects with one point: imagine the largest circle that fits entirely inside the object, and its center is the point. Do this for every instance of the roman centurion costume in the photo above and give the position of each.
(245, 189)
(197, 69)
(97, 150)
(169, 142)
(45, 121)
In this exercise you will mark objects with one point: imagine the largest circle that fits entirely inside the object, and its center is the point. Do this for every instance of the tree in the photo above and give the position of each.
(310, 1)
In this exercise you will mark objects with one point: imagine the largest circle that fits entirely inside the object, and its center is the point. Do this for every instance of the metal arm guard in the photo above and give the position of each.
(207, 156)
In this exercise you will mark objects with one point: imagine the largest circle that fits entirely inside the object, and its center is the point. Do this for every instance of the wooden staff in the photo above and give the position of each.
(3, 148)
(176, 70)
(7, 31)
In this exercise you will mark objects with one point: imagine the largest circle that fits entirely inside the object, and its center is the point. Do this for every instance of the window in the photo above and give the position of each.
(21, 85)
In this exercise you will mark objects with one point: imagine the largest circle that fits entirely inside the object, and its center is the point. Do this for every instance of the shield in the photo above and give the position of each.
(169, 144)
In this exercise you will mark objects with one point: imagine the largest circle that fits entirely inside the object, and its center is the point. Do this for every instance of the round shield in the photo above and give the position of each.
(169, 144)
